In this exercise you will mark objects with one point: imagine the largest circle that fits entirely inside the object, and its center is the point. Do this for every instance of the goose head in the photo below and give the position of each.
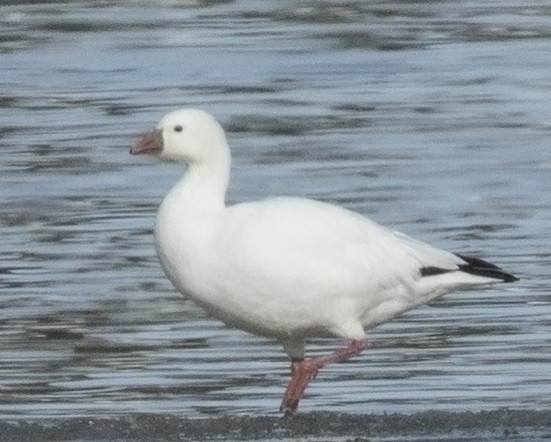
(188, 136)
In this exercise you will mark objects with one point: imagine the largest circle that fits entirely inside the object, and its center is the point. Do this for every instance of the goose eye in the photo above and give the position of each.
(178, 128)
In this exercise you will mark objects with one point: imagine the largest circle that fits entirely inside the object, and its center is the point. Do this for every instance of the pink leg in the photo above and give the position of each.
(303, 371)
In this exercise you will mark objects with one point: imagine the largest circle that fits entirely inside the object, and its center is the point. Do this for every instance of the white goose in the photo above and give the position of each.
(288, 268)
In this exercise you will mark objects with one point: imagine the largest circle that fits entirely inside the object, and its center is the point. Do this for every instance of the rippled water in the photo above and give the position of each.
(432, 118)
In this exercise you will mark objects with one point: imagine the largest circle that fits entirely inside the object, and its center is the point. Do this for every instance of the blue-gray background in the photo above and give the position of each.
(433, 118)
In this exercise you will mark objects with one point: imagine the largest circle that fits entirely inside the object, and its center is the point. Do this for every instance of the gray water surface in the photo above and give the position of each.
(433, 118)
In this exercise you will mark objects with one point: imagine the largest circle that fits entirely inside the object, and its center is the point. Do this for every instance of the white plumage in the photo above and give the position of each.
(287, 268)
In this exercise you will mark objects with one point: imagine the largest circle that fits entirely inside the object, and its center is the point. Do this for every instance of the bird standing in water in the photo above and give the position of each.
(288, 268)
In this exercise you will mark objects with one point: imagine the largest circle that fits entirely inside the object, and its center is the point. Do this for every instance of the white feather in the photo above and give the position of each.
(286, 268)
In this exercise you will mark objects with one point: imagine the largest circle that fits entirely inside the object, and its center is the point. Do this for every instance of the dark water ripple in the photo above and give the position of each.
(430, 117)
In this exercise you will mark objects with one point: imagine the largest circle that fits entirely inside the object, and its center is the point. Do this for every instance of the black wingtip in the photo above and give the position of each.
(477, 266)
